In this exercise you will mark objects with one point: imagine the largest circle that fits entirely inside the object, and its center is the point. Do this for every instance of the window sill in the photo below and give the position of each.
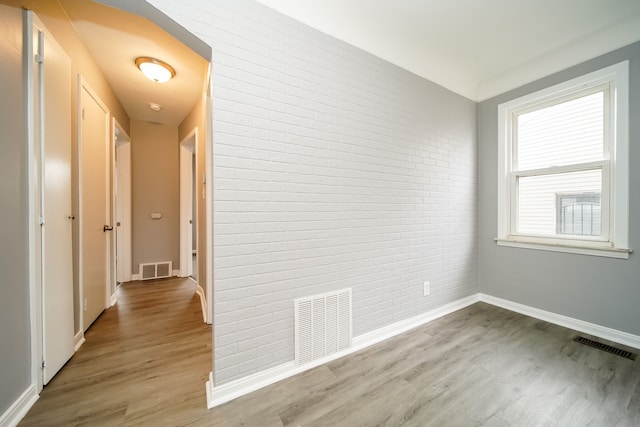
(566, 248)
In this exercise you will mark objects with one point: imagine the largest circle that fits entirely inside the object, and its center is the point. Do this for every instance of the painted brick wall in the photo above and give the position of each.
(332, 169)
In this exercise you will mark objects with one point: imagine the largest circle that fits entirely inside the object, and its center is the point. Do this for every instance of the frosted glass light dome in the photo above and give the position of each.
(155, 70)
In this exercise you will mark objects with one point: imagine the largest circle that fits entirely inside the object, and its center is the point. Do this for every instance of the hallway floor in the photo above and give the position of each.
(145, 362)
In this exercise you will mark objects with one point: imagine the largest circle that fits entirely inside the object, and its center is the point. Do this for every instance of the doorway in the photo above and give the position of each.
(188, 207)
(122, 207)
(92, 297)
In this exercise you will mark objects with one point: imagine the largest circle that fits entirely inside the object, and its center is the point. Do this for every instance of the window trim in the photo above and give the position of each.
(617, 78)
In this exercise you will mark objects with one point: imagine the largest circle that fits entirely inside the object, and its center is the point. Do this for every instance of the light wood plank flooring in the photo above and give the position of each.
(145, 362)
(481, 366)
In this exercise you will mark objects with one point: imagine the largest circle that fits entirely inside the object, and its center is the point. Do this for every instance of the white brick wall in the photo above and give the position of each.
(332, 169)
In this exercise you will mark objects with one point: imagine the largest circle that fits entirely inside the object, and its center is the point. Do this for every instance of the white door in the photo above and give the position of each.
(95, 224)
(52, 96)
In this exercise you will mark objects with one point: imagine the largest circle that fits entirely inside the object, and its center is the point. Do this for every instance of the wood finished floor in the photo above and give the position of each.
(145, 363)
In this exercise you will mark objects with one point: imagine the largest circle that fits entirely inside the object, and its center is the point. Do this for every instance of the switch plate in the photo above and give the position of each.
(426, 289)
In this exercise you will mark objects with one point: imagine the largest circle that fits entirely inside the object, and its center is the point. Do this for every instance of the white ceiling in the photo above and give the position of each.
(115, 39)
(477, 48)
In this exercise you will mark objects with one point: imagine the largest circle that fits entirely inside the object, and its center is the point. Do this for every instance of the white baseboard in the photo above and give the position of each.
(226, 392)
(78, 340)
(19, 408)
(174, 273)
(234, 389)
(218, 395)
(619, 337)
(113, 300)
(386, 332)
(203, 303)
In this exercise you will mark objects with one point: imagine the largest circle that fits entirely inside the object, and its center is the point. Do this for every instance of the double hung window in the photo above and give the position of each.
(563, 166)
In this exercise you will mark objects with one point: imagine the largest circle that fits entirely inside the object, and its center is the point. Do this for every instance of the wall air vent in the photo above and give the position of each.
(155, 270)
(323, 325)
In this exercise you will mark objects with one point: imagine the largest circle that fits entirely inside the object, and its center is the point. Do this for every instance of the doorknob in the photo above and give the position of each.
(107, 228)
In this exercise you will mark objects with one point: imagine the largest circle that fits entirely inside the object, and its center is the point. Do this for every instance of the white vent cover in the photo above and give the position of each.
(155, 270)
(323, 325)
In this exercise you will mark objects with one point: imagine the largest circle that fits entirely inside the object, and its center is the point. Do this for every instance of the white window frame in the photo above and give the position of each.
(614, 241)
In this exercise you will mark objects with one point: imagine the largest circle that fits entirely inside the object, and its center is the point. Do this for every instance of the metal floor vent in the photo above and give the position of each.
(155, 270)
(323, 325)
(605, 347)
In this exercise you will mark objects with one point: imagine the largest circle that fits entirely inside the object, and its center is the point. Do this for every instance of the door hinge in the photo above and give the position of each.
(43, 364)
(41, 220)
(38, 58)
(85, 305)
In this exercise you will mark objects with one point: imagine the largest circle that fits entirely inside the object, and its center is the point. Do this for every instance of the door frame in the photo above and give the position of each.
(122, 194)
(35, 242)
(83, 85)
(188, 150)
(208, 189)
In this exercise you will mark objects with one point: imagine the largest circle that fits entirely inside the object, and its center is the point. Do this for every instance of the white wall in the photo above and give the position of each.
(155, 179)
(15, 351)
(332, 169)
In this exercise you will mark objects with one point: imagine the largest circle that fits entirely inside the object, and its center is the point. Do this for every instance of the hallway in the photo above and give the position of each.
(145, 361)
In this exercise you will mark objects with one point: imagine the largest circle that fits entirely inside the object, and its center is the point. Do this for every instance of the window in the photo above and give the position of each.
(563, 168)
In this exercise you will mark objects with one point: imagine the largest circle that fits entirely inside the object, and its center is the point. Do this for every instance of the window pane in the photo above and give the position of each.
(560, 204)
(562, 134)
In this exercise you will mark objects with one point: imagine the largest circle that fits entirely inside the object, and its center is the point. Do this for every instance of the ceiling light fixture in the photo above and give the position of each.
(155, 107)
(154, 69)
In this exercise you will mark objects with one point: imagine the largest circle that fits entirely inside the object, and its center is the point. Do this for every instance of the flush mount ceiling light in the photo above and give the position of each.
(155, 107)
(154, 69)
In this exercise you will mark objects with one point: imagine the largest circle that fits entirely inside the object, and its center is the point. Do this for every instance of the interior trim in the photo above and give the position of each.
(19, 408)
(203, 303)
(78, 340)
